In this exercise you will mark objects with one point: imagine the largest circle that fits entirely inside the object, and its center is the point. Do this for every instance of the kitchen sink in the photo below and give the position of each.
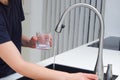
(65, 68)
(111, 42)
(24, 78)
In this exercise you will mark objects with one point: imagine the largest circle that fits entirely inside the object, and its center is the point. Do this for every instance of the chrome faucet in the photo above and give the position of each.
(99, 63)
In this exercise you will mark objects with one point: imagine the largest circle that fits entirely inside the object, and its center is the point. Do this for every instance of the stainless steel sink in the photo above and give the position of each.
(112, 43)
(65, 68)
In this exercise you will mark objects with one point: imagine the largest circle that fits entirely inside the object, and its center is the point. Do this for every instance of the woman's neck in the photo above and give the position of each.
(4, 2)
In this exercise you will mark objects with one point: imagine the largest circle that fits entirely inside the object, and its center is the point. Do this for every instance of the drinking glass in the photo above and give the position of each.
(43, 41)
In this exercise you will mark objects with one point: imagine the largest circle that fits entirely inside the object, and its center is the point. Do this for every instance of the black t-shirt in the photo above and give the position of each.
(10, 29)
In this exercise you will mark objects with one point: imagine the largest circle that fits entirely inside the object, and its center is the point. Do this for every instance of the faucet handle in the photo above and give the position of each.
(109, 72)
(59, 29)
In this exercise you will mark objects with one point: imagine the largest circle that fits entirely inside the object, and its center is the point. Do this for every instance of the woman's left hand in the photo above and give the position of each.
(33, 40)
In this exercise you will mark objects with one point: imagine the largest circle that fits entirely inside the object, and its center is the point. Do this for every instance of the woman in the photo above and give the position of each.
(11, 39)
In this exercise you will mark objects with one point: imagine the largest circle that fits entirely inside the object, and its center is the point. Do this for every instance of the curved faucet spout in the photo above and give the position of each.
(99, 64)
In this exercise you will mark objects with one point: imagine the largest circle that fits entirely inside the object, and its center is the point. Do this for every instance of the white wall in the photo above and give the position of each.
(31, 25)
(112, 18)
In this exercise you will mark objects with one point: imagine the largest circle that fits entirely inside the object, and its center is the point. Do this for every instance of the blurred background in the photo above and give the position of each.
(82, 25)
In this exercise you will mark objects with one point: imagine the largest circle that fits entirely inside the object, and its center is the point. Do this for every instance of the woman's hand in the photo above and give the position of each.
(32, 42)
(82, 76)
(26, 42)
(85, 76)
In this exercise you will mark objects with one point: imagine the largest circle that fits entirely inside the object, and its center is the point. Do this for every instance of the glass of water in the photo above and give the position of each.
(43, 41)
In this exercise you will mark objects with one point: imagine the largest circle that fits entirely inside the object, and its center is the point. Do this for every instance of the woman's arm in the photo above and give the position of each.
(10, 54)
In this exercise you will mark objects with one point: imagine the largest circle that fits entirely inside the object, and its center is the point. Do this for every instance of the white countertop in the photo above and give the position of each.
(85, 57)
(82, 57)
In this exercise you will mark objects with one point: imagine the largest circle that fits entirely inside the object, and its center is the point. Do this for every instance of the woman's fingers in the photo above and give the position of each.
(91, 76)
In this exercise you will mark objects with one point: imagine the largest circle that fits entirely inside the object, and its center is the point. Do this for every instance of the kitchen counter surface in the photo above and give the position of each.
(85, 58)
(82, 57)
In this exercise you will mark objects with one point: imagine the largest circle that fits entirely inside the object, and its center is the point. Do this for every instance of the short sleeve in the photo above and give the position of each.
(4, 36)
